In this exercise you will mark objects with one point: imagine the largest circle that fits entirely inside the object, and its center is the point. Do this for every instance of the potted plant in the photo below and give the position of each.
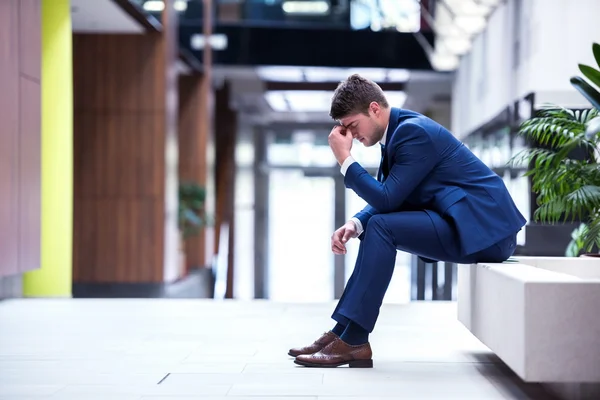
(191, 218)
(567, 186)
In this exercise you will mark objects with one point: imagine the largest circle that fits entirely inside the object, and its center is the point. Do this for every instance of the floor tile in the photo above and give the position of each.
(184, 349)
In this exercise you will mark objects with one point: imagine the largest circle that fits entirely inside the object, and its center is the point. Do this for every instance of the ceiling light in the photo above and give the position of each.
(449, 30)
(180, 5)
(469, 7)
(154, 5)
(159, 5)
(470, 24)
(444, 62)
(305, 7)
(491, 3)
(315, 100)
(216, 41)
(458, 45)
(280, 73)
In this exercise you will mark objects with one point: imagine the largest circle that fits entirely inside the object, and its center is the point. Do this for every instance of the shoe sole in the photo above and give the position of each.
(351, 364)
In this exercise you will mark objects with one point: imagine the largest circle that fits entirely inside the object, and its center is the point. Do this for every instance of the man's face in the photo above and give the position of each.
(367, 129)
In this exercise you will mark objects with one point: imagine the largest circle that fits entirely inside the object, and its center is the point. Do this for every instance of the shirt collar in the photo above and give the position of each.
(383, 139)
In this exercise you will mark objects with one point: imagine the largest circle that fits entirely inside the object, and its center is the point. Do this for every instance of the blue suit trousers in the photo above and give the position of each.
(413, 232)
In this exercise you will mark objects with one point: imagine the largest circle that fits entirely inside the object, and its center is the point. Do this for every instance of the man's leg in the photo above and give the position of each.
(412, 232)
(336, 316)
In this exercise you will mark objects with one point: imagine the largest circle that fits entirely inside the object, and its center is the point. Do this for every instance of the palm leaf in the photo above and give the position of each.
(567, 188)
(596, 51)
(591, 73)
(591, 238)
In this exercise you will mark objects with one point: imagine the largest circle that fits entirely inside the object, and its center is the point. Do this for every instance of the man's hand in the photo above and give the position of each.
(340, 141)
(341, 236)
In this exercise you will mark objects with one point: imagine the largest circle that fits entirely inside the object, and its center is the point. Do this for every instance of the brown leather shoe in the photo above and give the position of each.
(317, 345)
(339, 353)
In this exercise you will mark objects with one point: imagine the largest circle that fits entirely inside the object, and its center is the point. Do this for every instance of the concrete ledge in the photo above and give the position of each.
(541, 316)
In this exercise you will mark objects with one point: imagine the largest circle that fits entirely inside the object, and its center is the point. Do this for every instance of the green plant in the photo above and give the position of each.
(191, 208)
(587, 90)
(568, 187)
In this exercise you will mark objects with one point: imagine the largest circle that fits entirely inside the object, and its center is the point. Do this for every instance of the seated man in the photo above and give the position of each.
(432, 198)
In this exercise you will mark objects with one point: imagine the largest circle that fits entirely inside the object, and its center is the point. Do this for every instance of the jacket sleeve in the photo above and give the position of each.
(414, 156)
(363, 216)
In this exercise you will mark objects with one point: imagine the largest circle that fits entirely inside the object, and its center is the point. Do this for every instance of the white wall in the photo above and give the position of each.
(528, 46)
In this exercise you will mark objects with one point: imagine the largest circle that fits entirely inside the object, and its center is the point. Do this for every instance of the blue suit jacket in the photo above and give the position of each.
(426, 168)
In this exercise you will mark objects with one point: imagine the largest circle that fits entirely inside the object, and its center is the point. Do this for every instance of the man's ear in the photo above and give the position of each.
(375, 109)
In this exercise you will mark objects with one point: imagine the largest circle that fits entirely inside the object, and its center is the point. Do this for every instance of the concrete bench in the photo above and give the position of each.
(540, 316)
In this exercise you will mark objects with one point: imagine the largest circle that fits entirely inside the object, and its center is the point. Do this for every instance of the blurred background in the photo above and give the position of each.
(178, 148)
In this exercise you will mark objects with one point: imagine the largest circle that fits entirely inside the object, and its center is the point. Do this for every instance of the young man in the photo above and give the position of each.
(432, 198)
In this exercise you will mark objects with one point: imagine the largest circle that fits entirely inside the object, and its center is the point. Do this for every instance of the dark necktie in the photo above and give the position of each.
(380, 172)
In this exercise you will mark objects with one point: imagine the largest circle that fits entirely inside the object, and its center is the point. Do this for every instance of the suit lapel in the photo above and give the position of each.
(393, 124)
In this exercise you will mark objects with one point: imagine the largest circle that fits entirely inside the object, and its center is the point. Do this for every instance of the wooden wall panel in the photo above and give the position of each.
(122, 124)
(20, 70)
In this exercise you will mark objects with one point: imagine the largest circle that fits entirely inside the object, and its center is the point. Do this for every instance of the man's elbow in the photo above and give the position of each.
(384, 205)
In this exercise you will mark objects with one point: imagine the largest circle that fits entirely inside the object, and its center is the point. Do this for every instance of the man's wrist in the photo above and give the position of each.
(343, 157)
(357, 225)
(346, 164)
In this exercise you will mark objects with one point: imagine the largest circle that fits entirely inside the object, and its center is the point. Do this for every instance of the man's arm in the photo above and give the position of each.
(414, 157)
(361, 218)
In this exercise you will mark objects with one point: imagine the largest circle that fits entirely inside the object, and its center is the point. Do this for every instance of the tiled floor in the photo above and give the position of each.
(201, 349)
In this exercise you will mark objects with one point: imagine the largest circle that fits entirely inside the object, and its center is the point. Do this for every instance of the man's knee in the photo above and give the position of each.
(379, 223)
(376, 222)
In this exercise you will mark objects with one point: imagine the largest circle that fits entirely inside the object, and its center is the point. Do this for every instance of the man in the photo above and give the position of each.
(432, 198)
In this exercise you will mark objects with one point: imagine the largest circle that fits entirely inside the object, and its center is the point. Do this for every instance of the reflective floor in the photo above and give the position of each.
(202, 349)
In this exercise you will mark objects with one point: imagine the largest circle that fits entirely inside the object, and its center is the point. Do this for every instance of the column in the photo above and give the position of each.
(54, 276)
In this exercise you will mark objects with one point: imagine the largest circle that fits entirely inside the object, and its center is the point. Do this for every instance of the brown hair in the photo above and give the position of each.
(354, 95)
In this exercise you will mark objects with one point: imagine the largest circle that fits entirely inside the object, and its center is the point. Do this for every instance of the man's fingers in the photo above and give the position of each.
(347, 236)
(338, 250)
(337, 244)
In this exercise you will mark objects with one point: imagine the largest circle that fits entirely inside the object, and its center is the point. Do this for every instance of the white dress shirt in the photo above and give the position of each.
(345, 165)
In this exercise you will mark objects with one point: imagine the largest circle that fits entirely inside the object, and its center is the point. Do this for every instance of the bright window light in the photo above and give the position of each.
(401, 15)
(277, 101)
(309, 100)
(396, 99)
